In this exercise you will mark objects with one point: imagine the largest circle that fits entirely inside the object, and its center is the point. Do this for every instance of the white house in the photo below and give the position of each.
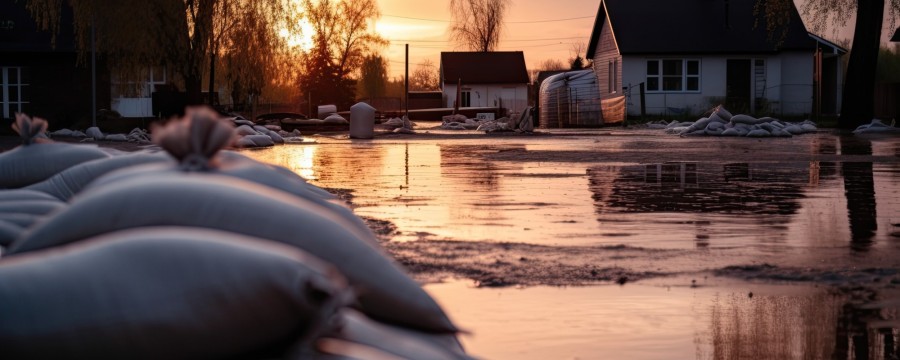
(487, 79)
(691, 55)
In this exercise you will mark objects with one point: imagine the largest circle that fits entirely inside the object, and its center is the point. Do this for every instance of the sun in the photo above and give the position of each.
(303, 40)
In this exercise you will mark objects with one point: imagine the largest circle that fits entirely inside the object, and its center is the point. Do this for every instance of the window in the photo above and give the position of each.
(613, 76)
(673, 75)
(466, 99)
(13, 81)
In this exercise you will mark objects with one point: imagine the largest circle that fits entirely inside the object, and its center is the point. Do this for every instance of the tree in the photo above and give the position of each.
(425, 77)
(547, 65)
(182, 35)
(342, 39)
(857, 105)
(373, 76)
(478, 24)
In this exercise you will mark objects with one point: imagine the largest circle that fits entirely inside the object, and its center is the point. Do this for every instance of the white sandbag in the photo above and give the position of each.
(163, 293)
(722, 113)
(31, 207)
(714, 118)
(794, 129)
(62, 133)
(254, 141)
(9, 232)
(809, 127)
(116, 137)
(26, 165)
(240, 122)
(94, 133)
(393, 122)
(31, 131)
(218, 202)
(456, 118)
(335, 119)
(276, 138)
(21, 219)
(358, 335)
(745, 119)
(245, 130)
(70, 181)
(24, 194)
(758, 133)
(713, 126)
(731, 132)
(697, 125)
(403, 130)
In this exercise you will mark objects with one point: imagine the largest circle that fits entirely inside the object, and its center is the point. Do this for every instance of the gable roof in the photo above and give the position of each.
(694, 27)
(896, 37)
(497, 67)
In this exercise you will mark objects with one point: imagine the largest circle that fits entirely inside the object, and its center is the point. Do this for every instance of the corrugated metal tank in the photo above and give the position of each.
(570, 99)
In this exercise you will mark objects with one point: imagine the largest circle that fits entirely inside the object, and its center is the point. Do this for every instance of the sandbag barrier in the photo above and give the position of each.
(720, 122)
(200, 252)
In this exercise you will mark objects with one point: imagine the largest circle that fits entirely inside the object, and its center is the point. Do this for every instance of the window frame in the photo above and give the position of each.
(8, 106)
(660, 76)
(465, 98)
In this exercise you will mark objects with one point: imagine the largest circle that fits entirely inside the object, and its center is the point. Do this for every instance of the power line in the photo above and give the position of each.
(502, 40)
(508, 22)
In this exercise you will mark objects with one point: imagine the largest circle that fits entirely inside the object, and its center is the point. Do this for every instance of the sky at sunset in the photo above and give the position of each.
(542, 29)
(539, 40)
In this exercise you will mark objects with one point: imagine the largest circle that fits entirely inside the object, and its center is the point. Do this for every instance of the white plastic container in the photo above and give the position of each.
(325, 110)
(362, 121)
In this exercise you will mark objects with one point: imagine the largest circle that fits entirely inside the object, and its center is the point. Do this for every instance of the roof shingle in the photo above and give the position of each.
(498, 67)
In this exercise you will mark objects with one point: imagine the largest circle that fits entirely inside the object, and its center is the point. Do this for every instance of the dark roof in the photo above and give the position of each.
(896, 37)
(497, 67)
(19, 32)
(694, 27)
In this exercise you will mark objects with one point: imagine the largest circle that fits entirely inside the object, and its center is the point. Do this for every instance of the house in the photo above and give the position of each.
(691, 55)
(43, 80)
(486, 79)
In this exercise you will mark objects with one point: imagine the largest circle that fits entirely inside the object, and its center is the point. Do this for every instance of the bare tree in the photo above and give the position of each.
(857, 106)
(547, 65)
(184, 35)
(478, 24)
(425, 77)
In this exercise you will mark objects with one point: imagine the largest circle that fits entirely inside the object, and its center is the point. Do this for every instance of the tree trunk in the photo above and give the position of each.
(213, 94)
(858, 105)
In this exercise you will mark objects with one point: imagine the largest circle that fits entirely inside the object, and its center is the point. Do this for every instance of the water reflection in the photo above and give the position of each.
(749, 321)
(817, 326)
(859, 188)
(455, 189)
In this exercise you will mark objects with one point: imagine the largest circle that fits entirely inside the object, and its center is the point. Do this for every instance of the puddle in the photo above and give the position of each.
(673, 322)
(818, 214)
(534, 192)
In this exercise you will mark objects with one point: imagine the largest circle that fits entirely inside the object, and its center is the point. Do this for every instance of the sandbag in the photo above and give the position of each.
(245, 130)
(233, 164)
(251, 141)
(745, 119)
(21, 219)
(230, 204)
(69, 182)
(9, 232)
(335, 119)
(24, 194)
(31, 207)
(358, 336)
(26, 165)
(163, 293)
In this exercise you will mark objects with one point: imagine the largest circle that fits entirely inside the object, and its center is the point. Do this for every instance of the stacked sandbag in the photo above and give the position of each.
(69, 182)
(218, 202)
(720, 122)
(22, 208)
(38, 158)
(877, 127)
(196, 142)
(249, 134)
(388, 342)
(165, 293)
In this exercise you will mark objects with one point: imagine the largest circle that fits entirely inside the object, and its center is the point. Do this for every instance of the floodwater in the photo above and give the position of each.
(809, 225)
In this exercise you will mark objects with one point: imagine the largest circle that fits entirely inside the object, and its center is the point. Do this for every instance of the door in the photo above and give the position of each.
(738, 86)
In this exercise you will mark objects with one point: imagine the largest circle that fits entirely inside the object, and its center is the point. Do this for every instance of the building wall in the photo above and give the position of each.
(606, 56)
(511, 96)
(786, 84)
(58, 88)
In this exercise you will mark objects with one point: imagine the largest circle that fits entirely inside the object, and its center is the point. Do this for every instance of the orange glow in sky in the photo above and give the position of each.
(424, 26)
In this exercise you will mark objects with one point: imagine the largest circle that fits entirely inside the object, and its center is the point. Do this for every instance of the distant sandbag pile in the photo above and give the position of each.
(198, 252)
(720, 122)
(400, 125)
(877, 127)
(519, 123)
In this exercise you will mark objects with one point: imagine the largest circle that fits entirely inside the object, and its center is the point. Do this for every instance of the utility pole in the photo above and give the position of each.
(93, 73)
(406, 84)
